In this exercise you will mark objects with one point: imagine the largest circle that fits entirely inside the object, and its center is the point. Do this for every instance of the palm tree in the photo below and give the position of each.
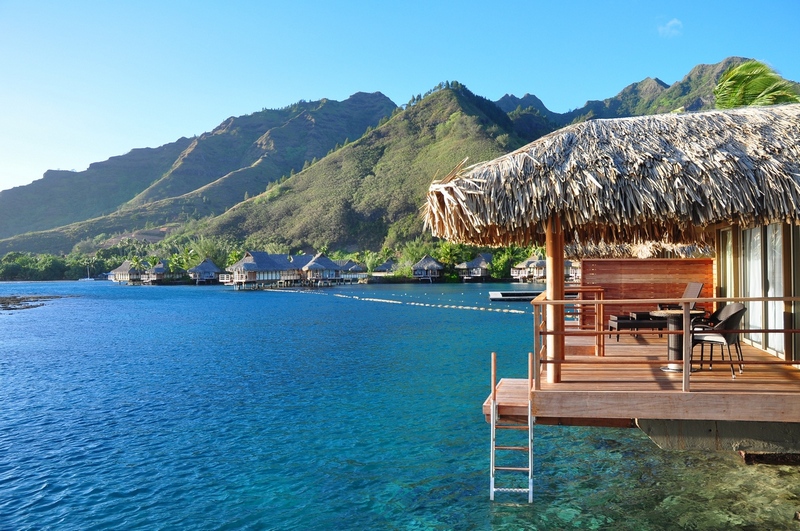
(137, 263)
(753, 83)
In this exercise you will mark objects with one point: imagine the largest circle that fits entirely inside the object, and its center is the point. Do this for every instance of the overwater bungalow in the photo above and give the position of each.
(162, 273)
(125, 273)
(729, 180)
(206, 272)
(350, 270)
(428, 268)
(530, 269)
(386, 268)
(258, 269)
(476, 269)
(321, 270)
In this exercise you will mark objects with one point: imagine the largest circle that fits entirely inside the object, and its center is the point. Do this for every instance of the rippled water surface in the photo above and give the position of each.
(355, 407)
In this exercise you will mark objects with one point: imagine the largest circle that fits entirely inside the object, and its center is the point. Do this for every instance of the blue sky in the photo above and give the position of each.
(83, 81)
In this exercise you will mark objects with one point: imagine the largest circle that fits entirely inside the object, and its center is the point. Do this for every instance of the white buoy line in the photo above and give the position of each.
(429, 305)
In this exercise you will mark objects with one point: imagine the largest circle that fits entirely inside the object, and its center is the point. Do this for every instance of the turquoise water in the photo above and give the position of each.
(354, 407)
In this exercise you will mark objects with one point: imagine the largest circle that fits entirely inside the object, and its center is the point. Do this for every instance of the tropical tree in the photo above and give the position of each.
(152, 260)
(137, 263)
(504, 259)
(753, 83)
(234, 256)
(372, 260)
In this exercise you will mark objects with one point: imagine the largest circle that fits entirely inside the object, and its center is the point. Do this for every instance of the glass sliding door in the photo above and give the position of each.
(762, 276)
(774, 285)
(752, 281)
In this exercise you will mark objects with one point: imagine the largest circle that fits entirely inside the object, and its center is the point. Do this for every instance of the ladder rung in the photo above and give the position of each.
(520, 448)
(508, 427)
(509, 489)
(512, 468)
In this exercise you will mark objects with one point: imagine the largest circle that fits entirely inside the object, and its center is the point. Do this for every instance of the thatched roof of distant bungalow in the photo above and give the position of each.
(386, 267)
(125, 267)
(263, 261)
(349, 265)
(322, 263)
(530, 262)
(428, 263)
(483, 260)
(663, 178)
(161, 268)
(206, 266)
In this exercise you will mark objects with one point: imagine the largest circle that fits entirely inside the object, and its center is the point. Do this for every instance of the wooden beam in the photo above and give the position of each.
(554, 249)
(668, 405)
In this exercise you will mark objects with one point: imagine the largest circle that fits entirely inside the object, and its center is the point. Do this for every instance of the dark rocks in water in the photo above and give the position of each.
(23, 302)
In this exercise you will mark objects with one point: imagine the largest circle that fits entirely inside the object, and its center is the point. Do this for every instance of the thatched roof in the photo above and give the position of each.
(126, 267)
(385, 267)
(320, 262)
(531, 261)
(660, 178)
(483, 260)
(206, 266)
(427, 263)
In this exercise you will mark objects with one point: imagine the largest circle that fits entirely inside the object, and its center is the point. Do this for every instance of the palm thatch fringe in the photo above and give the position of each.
(662, 178)
(647, 249)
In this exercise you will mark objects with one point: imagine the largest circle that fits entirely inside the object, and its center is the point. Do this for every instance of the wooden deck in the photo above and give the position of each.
(617, 389)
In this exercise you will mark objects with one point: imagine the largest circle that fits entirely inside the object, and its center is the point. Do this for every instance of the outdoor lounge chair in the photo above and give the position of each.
(721, 334)
(692, 291)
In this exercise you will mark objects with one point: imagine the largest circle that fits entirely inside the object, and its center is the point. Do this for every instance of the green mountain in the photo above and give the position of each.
(304, 176)
(649, 96)
(63, 197)
(200, 176)
(367, 194)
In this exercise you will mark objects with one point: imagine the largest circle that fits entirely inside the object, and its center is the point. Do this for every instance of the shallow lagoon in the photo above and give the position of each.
(355, 407)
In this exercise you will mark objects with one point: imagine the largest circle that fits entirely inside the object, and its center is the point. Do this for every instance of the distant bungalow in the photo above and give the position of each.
(125, 273)
(427, 269)
(351, 271)
(206, 272)
(386, 268)
(475, 269)
(162, 273)
(258, 269)
(529, 269)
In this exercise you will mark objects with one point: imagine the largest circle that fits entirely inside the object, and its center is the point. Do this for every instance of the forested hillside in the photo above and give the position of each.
(304, 177)
(367, 194)
(190, 177)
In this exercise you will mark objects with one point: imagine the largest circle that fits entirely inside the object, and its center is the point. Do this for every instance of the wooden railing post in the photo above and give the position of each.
(599, 320)
(687, 345)
(494, 377)
(530, 372)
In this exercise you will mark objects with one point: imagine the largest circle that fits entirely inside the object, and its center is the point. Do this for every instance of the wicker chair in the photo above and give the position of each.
(722, 333)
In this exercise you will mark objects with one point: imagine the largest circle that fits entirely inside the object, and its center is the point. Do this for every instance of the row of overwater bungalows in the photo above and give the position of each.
(259, 269)
(255, 270)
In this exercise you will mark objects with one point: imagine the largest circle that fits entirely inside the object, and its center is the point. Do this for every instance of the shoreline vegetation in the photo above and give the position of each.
(180, 254)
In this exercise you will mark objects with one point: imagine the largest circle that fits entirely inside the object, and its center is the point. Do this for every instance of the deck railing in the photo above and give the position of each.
(539, 356)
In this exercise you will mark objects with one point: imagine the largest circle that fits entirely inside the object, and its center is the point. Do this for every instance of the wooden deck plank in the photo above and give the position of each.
(614, 389)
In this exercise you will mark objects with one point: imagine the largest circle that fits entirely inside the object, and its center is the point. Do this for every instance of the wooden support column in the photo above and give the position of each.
(554, 248)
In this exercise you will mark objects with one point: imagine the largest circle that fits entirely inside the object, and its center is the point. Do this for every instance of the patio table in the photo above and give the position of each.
(674, 341)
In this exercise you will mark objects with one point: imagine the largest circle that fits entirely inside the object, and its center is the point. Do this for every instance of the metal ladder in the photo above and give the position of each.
(497, 424)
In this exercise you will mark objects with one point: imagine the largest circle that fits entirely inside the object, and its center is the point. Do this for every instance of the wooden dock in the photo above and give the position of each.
(628, 384)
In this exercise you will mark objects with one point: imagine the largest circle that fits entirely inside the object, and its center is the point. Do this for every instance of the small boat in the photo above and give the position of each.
(87, 275)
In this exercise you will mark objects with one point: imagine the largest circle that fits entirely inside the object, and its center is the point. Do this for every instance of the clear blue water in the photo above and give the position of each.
(127, 407)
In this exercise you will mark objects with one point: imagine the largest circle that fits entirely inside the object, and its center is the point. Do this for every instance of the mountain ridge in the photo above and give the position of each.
(267, 157)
